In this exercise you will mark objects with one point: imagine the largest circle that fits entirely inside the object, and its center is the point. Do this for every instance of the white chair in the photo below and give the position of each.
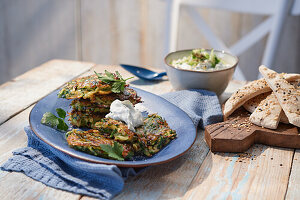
(276, 9)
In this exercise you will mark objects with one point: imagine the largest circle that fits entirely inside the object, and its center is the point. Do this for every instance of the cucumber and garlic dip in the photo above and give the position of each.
(200, 60)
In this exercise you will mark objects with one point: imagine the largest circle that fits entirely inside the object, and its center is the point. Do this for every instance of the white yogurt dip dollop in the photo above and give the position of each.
(125, 111)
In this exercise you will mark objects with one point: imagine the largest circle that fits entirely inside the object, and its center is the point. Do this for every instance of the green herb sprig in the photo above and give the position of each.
(114, 152)
(53, 121)
(116, 81)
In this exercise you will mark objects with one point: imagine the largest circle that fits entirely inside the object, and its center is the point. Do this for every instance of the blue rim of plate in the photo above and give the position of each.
(176, 118)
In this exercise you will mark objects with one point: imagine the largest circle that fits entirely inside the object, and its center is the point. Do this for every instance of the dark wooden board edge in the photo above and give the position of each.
(218, 138)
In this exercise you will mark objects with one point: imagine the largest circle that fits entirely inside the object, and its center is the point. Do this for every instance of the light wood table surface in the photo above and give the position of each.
(199, 174)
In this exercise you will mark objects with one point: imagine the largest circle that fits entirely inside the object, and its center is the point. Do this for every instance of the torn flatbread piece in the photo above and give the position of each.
(253, 103)
(287, 95)
(268, 112)
(249, 91)
(283, 117)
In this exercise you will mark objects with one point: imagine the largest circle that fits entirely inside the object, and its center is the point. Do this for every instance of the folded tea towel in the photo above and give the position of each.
(50, 166)
(202, 106)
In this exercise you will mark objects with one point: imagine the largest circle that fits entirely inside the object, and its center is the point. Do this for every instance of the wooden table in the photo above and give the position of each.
(199, 174)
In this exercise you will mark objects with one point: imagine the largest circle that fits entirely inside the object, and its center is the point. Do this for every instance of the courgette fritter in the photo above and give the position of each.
(84, 87)
(153, 135)
(147, 140)
(127, 94)
(84, 119)
(90, 142)
(84, 105)
(116, 130)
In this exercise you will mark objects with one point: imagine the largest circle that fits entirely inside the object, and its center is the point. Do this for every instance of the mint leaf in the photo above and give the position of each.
(62, 125)
(61, 113)
(114, 152)
(50, 120)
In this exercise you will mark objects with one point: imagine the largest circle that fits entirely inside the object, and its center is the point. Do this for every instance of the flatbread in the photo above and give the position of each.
(287, 95)
(283, 117)
(249, 91)
(268, 112)
(253, 103)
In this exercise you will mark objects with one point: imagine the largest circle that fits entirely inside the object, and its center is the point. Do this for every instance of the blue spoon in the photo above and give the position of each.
(143, 73)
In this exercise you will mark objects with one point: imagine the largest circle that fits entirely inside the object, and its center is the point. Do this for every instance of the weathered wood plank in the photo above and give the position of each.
(97, 37)
(36, 31)
(17, 185)
(26, 89)
(293, 191)
(153, 23)
(114, 27)
(127, 17)
(4, 66)
(125, 32)
(12, 134)
(226, 176)
(26, 188)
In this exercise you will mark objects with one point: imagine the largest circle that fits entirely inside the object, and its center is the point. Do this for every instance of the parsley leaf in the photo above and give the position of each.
(114, 152)
(117, 86)
(61, 113)
(109, 75)
(115, 80)
(53, 121)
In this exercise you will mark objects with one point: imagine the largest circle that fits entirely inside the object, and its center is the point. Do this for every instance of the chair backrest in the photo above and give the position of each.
(260, 7)
(276, 9)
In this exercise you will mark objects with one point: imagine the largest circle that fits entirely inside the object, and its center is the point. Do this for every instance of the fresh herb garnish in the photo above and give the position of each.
(61, 113)
(114, 152)
(53, 121)
(200, 55)
(213, 59)
(115, 80)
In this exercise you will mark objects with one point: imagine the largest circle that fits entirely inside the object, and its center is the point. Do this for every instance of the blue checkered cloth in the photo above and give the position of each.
(58, 170)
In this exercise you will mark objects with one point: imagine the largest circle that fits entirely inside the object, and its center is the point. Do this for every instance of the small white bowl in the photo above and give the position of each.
(215, 81)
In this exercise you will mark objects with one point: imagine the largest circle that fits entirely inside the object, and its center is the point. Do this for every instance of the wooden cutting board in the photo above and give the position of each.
(237, 134)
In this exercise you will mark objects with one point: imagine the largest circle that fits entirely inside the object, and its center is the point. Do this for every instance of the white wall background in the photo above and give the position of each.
(120, 31)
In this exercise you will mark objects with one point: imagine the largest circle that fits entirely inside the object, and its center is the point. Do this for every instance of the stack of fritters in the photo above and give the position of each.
(146, 140)
(92, 99)
(108, 137)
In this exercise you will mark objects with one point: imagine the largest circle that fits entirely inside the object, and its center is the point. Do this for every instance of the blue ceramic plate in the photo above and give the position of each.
(176, 118)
